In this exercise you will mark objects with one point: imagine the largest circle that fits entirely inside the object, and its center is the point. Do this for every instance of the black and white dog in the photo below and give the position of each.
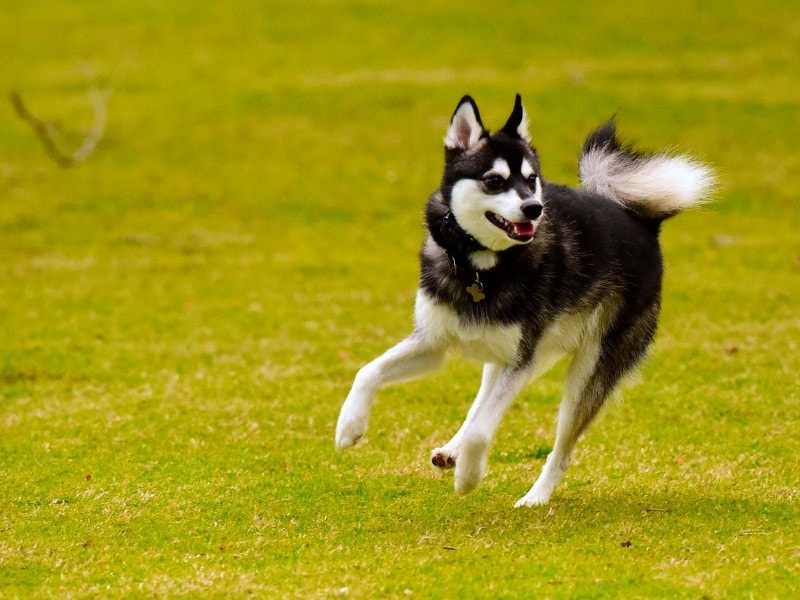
(518, 272)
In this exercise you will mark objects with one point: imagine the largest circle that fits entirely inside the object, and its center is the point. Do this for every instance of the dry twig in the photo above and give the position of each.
(47, 134)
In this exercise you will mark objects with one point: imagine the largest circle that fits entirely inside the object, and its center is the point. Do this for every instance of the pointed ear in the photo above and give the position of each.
(517, 124)
(465, 126)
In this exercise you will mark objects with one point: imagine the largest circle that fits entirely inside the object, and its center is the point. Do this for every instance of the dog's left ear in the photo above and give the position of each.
(466, 128)
(517, 124)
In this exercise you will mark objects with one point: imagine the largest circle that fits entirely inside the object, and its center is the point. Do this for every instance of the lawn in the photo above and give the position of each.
(181, 315)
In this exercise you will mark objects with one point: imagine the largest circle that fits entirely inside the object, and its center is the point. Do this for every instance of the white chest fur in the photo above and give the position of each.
(441, 326)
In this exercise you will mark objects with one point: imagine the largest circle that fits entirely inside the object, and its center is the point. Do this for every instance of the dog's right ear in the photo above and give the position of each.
(465, 126)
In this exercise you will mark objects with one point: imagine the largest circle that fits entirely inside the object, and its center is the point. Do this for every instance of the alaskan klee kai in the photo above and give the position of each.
(518, 272)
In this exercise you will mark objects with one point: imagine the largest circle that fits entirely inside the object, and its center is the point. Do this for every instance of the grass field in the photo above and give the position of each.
(181, 316)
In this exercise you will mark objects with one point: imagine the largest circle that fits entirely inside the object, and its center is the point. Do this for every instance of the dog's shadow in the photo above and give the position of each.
(621, 514)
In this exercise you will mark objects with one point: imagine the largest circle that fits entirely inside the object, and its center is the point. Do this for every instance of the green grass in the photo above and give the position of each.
(182, 315)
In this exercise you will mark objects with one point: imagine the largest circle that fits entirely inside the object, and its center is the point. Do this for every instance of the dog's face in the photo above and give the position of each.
(491, 183)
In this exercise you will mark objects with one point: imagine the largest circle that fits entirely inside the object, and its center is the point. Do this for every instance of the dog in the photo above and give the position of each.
(518, 272)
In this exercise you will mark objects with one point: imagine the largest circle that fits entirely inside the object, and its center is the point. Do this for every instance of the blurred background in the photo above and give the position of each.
(185, 307)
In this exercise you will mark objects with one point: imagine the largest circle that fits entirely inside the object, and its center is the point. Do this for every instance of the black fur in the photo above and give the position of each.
(571, 264)
(515, 120)
(585, 250)
(604, 136)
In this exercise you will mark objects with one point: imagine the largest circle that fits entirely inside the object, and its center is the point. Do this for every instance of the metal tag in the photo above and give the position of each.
(476, 291)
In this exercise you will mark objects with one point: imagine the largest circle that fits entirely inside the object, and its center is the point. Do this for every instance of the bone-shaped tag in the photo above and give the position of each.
(476, 291)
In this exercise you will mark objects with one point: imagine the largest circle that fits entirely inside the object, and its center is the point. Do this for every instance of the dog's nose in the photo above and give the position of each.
(532, 209)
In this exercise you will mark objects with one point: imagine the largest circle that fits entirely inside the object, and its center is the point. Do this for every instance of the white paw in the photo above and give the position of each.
(542, 489)
(533, 498)
(444, 457)
(351, 427)
(347, 435)
(471, 466)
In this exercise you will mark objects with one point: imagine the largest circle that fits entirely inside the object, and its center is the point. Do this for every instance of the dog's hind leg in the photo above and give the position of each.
(578, 407)
(409, 359)
(593, 374)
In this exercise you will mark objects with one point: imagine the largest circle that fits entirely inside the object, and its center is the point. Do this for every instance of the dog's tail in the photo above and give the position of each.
(656, 186)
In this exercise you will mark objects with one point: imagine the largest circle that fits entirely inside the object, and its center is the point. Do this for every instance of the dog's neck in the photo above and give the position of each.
(456, 240)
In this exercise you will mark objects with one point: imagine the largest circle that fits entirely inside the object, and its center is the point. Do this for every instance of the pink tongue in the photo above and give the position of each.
(525, 228)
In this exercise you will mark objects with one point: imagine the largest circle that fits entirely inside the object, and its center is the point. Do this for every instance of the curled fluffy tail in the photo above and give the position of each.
(656, 186)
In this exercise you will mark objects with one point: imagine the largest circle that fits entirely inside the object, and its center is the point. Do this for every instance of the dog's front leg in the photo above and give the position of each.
(411, 358)
(446, 456)
(499, 388)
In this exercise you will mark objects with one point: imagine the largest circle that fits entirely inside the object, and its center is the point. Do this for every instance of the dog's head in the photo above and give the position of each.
(491, 183)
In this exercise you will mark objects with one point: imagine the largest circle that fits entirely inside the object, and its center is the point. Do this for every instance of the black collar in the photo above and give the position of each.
(457, 241)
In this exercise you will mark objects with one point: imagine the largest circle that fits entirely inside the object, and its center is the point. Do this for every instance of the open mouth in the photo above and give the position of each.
(522, 232)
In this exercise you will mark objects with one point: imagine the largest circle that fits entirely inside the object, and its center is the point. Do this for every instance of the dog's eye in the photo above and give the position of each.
(493, 183)
(532, 181)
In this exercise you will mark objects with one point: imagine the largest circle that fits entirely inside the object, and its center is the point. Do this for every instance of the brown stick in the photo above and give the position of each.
(47, 134)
